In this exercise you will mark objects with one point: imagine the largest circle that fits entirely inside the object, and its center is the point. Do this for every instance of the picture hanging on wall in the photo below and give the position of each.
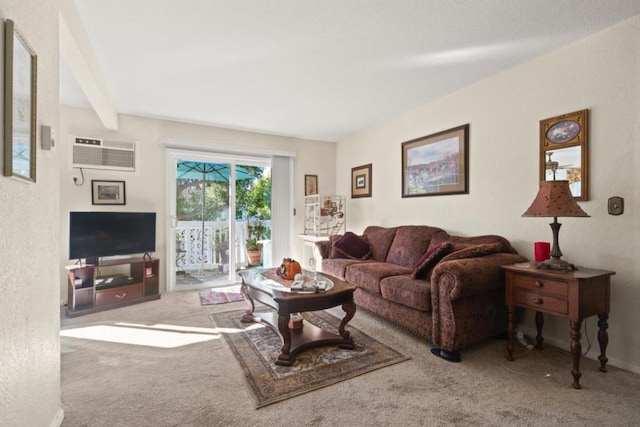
(361, 181)
(108, 193)
(310, 185)
(436, 164)
(20, 80)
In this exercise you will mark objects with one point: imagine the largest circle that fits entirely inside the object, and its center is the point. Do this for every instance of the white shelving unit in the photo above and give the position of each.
(324, 216)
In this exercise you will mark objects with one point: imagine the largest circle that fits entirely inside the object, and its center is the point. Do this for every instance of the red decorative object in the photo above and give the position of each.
(542, 251)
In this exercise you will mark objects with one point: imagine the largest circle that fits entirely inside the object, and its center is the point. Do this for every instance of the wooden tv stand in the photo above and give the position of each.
(112, 284)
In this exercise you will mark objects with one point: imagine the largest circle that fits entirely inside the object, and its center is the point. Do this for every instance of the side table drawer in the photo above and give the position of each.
(116, 295)
(547, 286)
(538, 302)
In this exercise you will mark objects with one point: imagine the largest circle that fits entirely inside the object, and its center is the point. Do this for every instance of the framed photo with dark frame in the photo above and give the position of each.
(436, 164)
(108, 193)
(20, 101)
(310, 185)
(361, 181)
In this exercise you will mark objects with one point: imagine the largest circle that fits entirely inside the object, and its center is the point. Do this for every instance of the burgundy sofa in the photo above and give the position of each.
(446, 289)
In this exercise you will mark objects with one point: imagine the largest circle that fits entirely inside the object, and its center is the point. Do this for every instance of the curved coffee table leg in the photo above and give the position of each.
(285, 358)
(248, 317)
(350, 311)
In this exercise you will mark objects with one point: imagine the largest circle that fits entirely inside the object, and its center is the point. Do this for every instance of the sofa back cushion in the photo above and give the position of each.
(353, 246)
(380, 239)
(488, 239)
(410, 244)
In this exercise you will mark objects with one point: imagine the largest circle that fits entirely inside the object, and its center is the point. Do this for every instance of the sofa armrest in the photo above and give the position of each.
(471, 276)
(467, 299)
(324, 248)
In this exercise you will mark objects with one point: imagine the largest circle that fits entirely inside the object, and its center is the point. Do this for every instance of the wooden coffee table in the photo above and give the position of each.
(284, 303)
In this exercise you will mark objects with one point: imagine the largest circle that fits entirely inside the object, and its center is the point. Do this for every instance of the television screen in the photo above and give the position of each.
(102, 234)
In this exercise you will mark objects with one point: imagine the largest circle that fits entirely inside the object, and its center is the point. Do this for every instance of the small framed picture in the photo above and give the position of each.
(361, 181)
(108, 193)
(310, 185)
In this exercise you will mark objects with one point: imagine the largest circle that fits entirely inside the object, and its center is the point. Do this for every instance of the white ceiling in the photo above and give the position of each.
(317, 69)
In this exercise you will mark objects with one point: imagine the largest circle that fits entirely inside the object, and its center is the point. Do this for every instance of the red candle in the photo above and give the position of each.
(542, 250)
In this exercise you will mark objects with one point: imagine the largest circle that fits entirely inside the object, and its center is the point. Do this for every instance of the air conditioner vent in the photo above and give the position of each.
(94, 153)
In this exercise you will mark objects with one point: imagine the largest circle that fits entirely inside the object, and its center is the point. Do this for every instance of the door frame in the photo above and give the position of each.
(173, 155)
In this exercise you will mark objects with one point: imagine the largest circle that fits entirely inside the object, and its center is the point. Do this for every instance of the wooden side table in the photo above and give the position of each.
(573, 295)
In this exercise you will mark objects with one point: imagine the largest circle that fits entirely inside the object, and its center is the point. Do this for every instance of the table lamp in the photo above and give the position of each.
(554, 199)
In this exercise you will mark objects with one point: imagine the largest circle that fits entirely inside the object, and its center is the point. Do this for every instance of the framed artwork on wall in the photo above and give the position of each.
(564, 151)
(436, 164)
(361, 181)
(20, 82)
(310, 185)
(108, 193)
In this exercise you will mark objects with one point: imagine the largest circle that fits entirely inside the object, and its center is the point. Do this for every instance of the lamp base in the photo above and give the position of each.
(557, 264)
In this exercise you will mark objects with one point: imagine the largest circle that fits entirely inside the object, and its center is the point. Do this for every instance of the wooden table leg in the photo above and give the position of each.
(539, 325)
(285, 358)
(603, 339)
(510, 331)
(576, 352)
(350, 311)
(248, 316)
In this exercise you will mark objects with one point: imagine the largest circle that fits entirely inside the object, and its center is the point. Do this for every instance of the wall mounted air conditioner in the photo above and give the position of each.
(95, 153)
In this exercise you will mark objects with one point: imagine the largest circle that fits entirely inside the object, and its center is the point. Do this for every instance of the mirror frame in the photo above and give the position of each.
(576, 137)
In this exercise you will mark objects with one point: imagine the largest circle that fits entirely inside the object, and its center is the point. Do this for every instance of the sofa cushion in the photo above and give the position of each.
(367, 275)
(466, 250)
(409, 292)
(410, 243)
(337, 266)
(333, 252)
(380, 239)
(429, 260)
(353, 246)
(504, 244)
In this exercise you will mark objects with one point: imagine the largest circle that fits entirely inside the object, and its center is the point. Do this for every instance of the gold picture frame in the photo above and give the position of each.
(20, 102)
(564, 153)
(361, 181)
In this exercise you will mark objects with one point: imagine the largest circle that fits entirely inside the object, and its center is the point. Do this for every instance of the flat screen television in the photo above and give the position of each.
(93, 235)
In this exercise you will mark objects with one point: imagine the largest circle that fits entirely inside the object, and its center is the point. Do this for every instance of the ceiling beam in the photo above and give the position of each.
(76, 51)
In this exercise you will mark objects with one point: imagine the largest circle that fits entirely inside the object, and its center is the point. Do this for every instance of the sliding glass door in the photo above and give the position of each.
(220, 219)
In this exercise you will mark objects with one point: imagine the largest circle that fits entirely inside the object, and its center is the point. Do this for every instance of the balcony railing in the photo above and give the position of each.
(206, 247)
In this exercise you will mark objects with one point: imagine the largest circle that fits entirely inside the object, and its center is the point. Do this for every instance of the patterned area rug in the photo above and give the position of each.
(258, 347)
(220, 295)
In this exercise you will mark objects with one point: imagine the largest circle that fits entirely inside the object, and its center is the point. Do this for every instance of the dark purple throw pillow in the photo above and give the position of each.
(430, 259)
(353, 246)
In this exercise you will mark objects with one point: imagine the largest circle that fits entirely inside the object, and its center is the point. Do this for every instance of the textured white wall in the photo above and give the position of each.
(599, 73)
(29, 268)
(145, 188)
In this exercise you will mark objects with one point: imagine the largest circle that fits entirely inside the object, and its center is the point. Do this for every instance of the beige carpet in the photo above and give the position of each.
(257, 347)
(185, 375)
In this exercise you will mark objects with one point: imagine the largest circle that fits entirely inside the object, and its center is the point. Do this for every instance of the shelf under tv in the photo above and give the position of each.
(89, 293)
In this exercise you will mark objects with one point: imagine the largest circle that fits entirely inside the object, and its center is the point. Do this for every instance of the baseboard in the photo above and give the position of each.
(591, 354)
(57, 420)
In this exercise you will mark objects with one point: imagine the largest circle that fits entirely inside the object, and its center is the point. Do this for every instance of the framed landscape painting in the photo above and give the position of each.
(436, 164)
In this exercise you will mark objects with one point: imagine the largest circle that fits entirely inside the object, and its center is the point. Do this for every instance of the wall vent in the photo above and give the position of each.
(95, 153)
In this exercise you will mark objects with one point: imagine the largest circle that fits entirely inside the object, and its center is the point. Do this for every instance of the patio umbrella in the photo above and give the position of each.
(218, 172)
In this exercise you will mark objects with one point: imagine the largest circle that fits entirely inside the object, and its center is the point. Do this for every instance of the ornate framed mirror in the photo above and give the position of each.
(563, 151)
